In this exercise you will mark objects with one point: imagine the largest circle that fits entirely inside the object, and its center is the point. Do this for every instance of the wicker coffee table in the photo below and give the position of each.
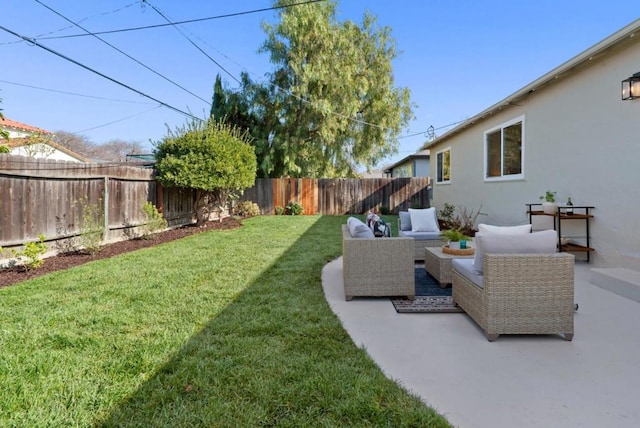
(438, 264)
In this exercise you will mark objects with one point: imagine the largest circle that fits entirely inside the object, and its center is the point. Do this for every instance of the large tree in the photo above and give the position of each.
(330, 106)
(211, 157)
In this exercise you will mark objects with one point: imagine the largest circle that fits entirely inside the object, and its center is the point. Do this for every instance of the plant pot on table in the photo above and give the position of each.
(550, 208)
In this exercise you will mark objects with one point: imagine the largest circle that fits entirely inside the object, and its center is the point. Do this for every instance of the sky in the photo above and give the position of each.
(456, 57)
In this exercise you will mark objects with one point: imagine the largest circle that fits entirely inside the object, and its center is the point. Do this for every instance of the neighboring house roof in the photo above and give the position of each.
(20, 138)
(616, 40)
(421, 154)
(12, 124)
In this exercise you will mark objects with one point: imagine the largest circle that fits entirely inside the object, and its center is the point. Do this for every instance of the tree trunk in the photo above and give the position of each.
(200, 208)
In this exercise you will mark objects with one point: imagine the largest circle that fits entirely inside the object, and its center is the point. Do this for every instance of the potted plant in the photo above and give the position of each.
(454, 237)
(549, 205)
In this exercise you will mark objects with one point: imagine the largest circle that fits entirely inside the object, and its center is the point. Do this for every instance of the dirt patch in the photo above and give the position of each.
(16, 275)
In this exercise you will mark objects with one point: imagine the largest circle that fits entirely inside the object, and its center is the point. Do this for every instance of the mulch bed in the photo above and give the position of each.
(15, 275)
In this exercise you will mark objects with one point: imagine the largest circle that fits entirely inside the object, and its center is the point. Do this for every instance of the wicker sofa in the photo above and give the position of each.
(377, 266)
(520, 293)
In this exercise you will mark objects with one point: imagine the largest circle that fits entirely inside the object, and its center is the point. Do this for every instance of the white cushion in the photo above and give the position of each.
(505, 230)
(424, 220)
(544, 241)
(357, 228)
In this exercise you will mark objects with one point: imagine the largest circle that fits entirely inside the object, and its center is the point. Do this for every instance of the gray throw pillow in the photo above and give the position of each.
(405, 220)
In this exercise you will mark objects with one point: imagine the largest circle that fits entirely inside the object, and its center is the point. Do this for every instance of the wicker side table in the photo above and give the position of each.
(438, 264)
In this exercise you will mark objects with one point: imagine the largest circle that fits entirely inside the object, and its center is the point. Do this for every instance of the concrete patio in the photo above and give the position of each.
(516, 381)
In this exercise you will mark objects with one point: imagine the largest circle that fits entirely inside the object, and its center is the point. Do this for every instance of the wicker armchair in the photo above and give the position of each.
(521, 294)
(377, 266)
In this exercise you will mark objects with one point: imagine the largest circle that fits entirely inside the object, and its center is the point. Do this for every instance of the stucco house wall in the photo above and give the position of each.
(579, 139)
(44, 151)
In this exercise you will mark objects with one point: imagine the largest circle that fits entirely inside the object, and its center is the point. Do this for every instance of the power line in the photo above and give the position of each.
(435, 129)
(115, 121)
(229, 15)
(74, 93)
(123, 53)
(191, 41)
(71, 26)
(98, 73)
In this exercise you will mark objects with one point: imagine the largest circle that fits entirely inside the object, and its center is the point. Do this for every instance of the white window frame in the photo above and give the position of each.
(441, 152)
(501, 127)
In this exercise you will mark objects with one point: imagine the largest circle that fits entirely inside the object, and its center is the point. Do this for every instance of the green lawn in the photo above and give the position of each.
(224, 328)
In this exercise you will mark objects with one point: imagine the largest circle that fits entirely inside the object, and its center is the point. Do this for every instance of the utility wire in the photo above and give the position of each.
(116, 121)
(74, 93)
(435, 129)
(71, 26)
(122, 52)
(27, 39)
(229, 15)
(190, 41)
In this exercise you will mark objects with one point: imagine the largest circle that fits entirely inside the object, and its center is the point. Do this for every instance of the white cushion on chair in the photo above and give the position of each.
(544, 241)
(357, 228)
(424, 220)
(505, 230)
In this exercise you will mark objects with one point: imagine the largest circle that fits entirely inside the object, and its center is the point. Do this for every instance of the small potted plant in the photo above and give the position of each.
(454, 237)
(549, 205)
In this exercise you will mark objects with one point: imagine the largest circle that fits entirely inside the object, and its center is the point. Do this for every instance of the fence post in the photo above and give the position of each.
(105, 233)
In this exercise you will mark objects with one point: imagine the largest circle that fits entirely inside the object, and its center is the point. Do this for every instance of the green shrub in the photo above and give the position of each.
(32, 253)
(247, 209)
(385, 210)
(279, 211)
(293, 208)
(91, 232)
(447, 216)
(214, 158)
(155, 221)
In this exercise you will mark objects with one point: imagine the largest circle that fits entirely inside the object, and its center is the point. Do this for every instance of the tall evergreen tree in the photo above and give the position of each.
(331, 99)
(219, 101)
(330, 106)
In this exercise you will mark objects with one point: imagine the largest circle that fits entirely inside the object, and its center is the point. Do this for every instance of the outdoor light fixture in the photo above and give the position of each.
(631, 87)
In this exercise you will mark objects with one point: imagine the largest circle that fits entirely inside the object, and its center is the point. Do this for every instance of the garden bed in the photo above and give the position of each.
(18, 274)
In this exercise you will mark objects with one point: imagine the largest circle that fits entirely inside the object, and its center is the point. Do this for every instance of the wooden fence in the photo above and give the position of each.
(337, 196)
(51, 197)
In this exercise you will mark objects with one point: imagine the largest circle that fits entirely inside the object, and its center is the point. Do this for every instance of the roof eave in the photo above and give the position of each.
(616, 38)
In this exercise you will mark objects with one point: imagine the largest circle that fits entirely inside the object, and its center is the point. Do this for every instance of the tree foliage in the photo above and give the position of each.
(4, 135)
(211, 157)
(330, 105)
